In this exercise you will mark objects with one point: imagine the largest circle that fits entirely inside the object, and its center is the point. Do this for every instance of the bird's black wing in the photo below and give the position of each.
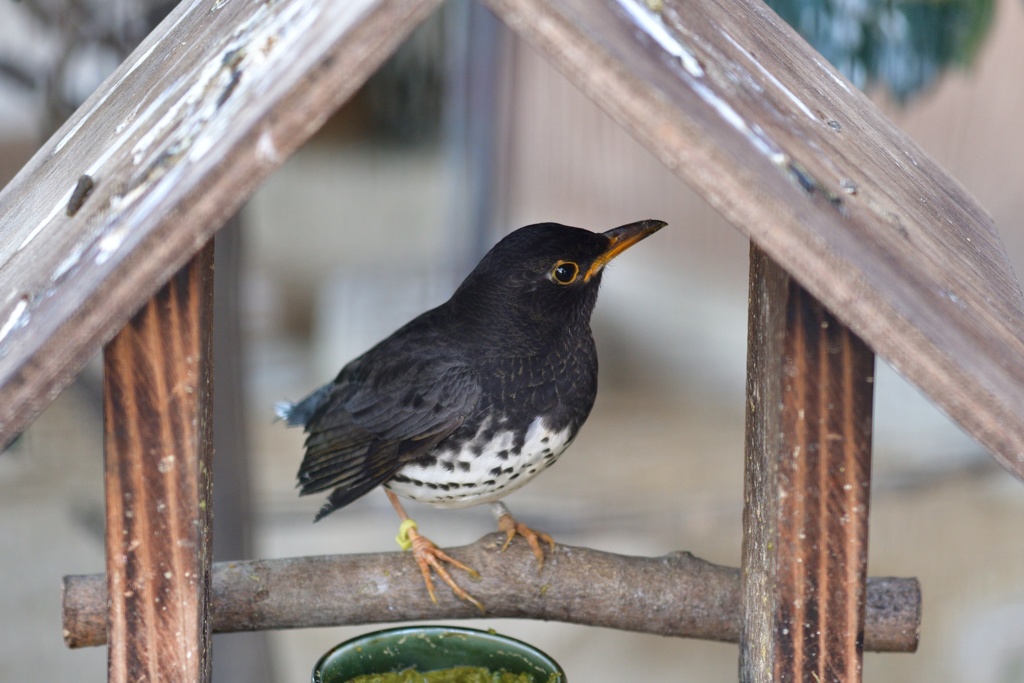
(381, 413)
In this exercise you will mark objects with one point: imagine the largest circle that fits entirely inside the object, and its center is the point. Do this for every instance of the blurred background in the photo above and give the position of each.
(464, 135)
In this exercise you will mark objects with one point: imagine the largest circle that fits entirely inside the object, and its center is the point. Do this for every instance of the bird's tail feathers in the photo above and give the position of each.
(339, 498)
(299, 413)
(283, 411)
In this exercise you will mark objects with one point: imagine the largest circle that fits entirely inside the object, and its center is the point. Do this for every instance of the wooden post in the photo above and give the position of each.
(157, 398)
(809, 393)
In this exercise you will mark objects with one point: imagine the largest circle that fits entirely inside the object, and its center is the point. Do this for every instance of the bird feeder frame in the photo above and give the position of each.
(861, 244)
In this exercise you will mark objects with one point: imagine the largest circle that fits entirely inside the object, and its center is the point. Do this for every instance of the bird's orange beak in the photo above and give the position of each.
(619, 240)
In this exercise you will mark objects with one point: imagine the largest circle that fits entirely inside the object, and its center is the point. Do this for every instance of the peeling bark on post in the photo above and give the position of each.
(809, 391)
(157, 401)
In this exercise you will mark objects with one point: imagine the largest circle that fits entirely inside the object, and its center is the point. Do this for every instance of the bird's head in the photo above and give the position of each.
(548, 273)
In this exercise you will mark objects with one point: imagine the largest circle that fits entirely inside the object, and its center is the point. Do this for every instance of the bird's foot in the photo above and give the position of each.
(513, 527)
(429, 557)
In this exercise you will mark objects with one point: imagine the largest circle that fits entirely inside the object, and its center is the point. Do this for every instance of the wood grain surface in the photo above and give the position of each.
(810, 384)
(157, 409)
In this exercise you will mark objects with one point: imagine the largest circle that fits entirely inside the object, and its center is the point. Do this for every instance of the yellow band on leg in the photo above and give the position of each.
(402, 539)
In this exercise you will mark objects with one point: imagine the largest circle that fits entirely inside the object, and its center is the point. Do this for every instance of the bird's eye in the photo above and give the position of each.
(565, 272)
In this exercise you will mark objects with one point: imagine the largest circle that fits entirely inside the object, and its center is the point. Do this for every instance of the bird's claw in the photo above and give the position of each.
(428, 556)
(512, 527)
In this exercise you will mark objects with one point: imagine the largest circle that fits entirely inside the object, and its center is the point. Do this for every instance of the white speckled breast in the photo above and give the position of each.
(481, 471)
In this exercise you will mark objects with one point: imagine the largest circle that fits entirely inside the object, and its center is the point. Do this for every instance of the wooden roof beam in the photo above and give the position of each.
(723, 92)
(739, 106)
(166, 149)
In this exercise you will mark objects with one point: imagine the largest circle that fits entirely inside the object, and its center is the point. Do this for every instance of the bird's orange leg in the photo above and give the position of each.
(428, 556)
(511, 526)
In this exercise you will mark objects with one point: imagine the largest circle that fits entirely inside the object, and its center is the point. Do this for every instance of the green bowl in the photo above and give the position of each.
(428, 648)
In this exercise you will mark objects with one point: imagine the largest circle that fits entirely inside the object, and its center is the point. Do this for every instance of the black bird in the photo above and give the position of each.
(472, 399)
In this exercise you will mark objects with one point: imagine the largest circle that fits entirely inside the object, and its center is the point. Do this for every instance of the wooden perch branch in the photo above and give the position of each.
(674, 595)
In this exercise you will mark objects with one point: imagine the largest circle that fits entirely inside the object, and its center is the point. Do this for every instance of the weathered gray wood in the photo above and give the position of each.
(683, 595)
(810, 383)
(173, 142)
(158, 431)
(738, 105)
(723, 92)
